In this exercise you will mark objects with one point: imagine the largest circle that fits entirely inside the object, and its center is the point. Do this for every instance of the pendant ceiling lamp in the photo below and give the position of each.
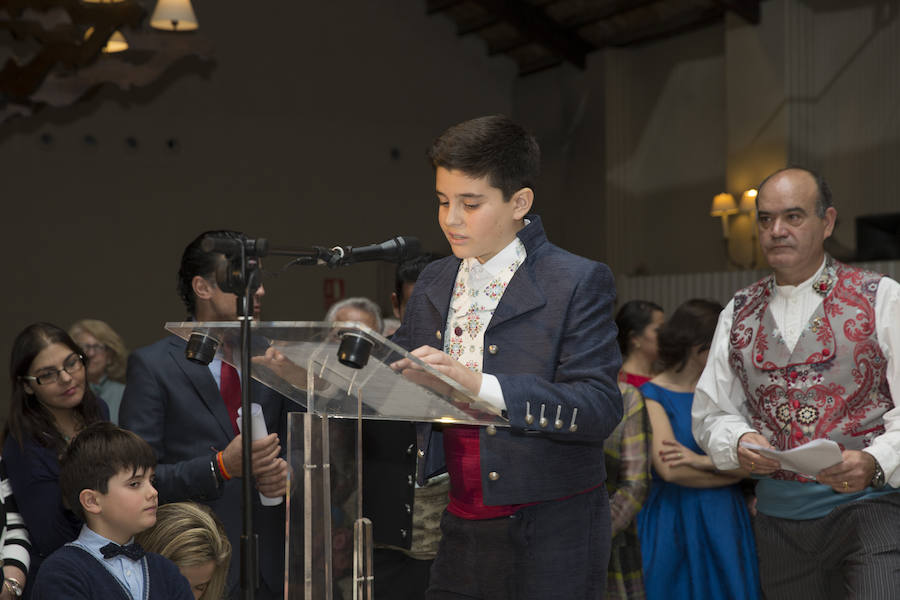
(174, 15)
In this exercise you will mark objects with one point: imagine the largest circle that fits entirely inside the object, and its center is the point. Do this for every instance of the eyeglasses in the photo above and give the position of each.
(73, 364)
(90, 349)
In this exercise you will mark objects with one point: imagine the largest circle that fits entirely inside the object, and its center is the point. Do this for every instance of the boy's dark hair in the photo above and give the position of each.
(97, 454)
(494, 147)
(409, 270)
(632, 319)
(692, 324)
(194, 261)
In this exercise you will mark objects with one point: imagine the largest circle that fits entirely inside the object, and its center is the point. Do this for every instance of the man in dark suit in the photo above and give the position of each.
(528, 328)
(187, 412)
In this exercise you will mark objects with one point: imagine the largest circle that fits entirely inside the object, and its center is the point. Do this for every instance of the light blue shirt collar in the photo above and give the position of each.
(129, 573)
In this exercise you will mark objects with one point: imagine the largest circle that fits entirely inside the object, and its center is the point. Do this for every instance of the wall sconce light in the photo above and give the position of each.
(724, 206)
(174, 15)
(748, 202)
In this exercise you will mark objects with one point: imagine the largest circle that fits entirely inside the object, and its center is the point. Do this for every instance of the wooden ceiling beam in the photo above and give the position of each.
(683, 22)
(476, 24)
(533, 24)
(539, 65)
(507, 45)
(600, 13)
(437, 6)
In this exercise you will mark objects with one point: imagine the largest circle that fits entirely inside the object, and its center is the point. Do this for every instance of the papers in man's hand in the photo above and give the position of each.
(808, 459)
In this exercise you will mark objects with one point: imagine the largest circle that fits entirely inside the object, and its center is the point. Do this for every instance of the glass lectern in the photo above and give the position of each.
(340, 373)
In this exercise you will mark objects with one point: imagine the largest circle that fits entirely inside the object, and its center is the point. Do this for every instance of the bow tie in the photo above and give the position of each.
(132, 551)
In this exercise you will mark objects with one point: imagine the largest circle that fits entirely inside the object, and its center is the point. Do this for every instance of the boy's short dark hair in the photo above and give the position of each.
(494, 147)
(96, 455)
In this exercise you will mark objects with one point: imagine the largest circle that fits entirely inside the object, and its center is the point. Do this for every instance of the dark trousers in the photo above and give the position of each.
(553, 550)
(398, 576)
(853, 552)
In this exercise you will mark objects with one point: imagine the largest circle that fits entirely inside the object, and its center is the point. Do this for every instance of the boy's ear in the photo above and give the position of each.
(522, 201)
(90, 501)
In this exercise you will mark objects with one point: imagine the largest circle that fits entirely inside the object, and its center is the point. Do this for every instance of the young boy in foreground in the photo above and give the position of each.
(528, 327)
(106, 479)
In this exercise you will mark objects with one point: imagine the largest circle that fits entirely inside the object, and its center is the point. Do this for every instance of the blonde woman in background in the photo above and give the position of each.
(106, 358)
(192, 537)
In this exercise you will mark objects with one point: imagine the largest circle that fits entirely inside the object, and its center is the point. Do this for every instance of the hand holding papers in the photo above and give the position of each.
(808, 459)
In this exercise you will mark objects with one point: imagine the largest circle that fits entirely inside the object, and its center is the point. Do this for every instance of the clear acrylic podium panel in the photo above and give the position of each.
(327, 553)
(300, 360)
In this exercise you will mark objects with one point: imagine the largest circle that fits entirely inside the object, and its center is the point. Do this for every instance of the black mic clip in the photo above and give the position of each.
(339, 256)
(241, 267)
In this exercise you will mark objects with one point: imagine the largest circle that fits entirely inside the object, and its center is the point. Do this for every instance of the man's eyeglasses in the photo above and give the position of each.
(90, 349)
(73, 364)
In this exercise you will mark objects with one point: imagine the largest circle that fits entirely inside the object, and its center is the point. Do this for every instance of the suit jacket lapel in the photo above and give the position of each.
(522, 295)
(439, 292)
(205, 386)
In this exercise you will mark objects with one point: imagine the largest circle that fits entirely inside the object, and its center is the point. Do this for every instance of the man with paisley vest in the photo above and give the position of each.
(810, 352)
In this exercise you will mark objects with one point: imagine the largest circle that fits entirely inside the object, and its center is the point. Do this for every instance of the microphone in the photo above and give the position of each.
(397, 249)
(232, 247)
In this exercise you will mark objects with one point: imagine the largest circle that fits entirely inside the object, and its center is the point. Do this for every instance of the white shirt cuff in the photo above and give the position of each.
(491, 392)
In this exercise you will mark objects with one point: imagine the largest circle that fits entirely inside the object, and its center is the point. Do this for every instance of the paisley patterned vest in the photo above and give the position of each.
(832, 385)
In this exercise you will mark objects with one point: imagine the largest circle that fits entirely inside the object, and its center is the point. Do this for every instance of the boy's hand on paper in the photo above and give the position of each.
(852, 474)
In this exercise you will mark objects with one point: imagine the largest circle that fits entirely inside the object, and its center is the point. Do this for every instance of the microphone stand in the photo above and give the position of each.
(246, 285)
(249, 542)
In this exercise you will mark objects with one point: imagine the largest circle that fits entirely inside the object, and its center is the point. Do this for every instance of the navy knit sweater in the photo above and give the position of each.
(72, 573)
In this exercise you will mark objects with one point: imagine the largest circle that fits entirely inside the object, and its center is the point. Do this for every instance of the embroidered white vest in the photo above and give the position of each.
(832, 385)
(471, 309)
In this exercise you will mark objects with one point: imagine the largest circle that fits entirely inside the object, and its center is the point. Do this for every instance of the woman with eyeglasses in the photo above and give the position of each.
(50, 403)
(106, 359)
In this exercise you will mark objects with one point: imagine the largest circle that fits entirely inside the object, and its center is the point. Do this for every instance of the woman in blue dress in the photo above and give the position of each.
(695, 531)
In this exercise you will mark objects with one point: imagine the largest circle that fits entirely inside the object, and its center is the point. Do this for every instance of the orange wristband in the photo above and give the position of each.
(222, 470)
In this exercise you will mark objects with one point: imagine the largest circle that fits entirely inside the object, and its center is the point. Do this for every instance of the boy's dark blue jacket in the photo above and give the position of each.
(553, 342)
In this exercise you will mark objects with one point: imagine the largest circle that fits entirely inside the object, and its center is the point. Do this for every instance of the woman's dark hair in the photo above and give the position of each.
(632, 319)
(28, 418)
(692, 324)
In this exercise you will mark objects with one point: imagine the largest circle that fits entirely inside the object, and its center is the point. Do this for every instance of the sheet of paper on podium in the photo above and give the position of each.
(808, 459)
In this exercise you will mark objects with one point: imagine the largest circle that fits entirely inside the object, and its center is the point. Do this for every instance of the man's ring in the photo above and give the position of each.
(680, 455)
(846, 487)
(752, 464)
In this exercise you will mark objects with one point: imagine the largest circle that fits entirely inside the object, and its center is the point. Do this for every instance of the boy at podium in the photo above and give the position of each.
(528, 328)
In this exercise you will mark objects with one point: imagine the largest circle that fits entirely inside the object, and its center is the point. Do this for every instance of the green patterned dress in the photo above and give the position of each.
(628, 480)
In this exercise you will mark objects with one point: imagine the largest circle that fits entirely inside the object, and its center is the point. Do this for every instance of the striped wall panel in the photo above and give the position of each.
(671, 290)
